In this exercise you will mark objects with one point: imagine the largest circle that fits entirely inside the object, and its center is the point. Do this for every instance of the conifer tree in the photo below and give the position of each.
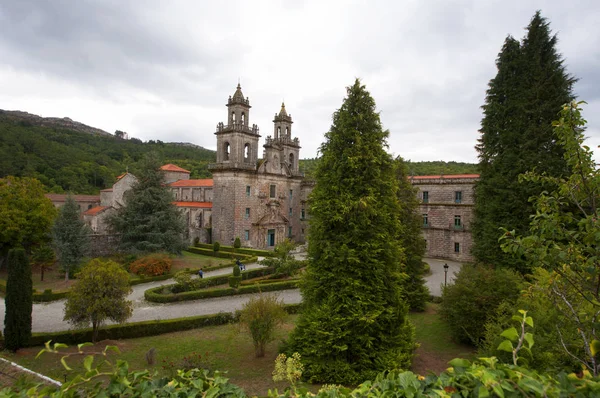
(18, 301)
(354, 320)
(516, 137)
(70, 237)
(149, 221)
(411, 238)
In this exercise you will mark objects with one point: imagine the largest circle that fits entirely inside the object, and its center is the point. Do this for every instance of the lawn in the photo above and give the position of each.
(228, 348)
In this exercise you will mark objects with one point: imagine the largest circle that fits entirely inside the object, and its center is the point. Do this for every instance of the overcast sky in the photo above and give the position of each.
(163, 70)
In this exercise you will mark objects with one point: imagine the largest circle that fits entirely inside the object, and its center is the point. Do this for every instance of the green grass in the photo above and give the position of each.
(230, 349)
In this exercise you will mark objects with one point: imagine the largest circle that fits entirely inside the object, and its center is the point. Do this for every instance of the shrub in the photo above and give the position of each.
(216, 246)
(152, 265)
(234, 281)
(237, 243)
(260, 316)
(196, 241)
(183, 281)
(236, 270)
(474, 297)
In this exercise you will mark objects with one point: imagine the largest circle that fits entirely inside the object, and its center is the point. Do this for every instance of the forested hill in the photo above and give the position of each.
(414, 168)
(67, 156)
(82, 162)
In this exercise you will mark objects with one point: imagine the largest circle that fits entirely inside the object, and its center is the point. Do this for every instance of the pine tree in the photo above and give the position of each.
(70, 237)
(516, 137)
(354, 320)
(411, 238)
(149, 221)
(18, 301)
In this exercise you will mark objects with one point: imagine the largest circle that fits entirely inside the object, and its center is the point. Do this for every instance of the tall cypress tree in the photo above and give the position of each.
(354, 320)
(149, 221)
(411, 238)
(70, 236)
(516, 136)
(18, 301)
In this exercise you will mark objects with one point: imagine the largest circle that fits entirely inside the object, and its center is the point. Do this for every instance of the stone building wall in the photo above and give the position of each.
(447, 204)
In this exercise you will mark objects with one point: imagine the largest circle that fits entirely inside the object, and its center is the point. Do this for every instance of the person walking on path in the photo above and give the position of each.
(201, 273)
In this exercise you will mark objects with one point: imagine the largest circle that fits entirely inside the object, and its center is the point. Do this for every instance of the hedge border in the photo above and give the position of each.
(153, 295)
(144, 328)
(219, 254)
(231, 249)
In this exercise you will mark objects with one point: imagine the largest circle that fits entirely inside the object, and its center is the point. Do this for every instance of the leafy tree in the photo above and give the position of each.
(149, 222)
(99, 294)
(415, 292)
(43, 256)
(284, 263)
(19, 301)
(516, 136)
(564, 236)
(70, 236)
(260, 316)
(354, 319)
(473, 299)
(26, 215)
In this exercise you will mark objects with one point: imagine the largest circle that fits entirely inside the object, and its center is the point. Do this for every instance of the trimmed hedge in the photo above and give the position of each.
(242, 250)
(144, 328)
(219, 254)
(48, 295)
(155, 296)
(146, 279)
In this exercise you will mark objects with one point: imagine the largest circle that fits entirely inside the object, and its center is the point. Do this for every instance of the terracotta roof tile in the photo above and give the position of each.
(172, 167)
(192, 183)
(197, 205)
(95, 210)
(107, 190)
(445, 176)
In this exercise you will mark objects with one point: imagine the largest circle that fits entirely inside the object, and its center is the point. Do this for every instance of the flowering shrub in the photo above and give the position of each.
(152, 265)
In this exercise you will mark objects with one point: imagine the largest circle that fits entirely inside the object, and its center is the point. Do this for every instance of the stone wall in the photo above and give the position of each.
(447, 216)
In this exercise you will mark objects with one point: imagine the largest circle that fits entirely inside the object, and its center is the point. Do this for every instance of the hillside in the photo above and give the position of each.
(68, 156)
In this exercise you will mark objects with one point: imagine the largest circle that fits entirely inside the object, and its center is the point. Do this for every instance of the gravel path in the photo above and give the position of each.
(48, 317)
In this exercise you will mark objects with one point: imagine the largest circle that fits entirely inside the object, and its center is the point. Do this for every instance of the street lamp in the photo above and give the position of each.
(446, 273)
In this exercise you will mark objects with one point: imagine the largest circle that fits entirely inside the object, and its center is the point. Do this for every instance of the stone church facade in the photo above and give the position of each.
(264, 201)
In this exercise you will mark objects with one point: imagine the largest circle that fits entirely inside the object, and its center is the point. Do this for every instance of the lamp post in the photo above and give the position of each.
(445, 274)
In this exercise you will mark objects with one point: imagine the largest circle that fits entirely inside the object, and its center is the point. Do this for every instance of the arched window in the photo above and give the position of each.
(247, 152)
(287, 131)
(226, 149)
(232, 117)
(243, 118)
(278, 131)
(291, 160)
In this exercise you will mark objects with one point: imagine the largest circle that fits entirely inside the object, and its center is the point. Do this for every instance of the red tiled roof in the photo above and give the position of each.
(55, 197)
(172, 167)
(107, 190)
(121, 176)
(197, 205)
(446, 176)
(192, 183)
(95, 210)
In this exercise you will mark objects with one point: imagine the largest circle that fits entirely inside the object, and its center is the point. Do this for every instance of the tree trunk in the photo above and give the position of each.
(67, 275)
(94, 331)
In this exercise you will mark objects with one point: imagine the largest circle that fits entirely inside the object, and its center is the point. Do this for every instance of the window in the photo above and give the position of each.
(247, 190)
(291, 211)
(246, 151)
(425, 196)
(272, 191)
(226, 149)
(89, 207)
(458, 197)
(457, 222)
(456, 247)
(303, 215)
(243, 118)
(246, 234)
(425, 220)
(291, 194)
(233, 117)
(291, 157)
(289, 232)
(247, 214)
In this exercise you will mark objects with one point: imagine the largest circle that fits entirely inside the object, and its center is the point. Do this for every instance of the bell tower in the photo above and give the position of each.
(237, 141)
(282, 151)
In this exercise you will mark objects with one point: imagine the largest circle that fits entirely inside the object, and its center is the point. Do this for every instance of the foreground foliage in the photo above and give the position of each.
(260, 316)
(354, 320)
(99, 294)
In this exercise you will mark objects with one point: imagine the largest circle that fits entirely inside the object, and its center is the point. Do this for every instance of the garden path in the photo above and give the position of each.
(48, 317)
